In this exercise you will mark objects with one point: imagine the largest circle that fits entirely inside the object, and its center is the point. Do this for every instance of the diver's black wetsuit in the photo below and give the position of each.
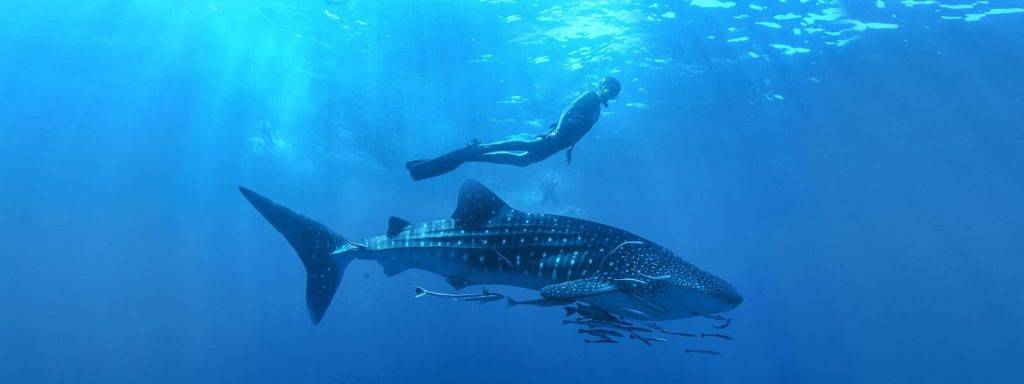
(575, 122)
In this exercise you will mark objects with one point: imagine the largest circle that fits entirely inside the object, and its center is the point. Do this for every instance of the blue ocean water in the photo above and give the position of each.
(854, 168)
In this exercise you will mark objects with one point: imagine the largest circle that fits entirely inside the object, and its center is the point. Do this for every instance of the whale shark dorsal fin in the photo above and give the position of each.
(477, 204)
(576, 289)
(396, 225)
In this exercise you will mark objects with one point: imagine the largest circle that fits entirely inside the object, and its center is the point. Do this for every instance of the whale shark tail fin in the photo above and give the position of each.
(315, 244)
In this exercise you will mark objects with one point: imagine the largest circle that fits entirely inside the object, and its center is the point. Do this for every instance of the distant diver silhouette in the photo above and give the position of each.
(549, 191)
(575, 122)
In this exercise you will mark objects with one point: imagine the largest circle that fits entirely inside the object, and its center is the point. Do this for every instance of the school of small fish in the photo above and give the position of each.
(600, 326)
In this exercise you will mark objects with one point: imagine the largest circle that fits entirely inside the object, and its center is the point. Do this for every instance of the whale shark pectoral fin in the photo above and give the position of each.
(396, 225)
(477, 204)
(575, 289)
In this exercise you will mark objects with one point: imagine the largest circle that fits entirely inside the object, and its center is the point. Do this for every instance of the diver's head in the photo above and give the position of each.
(608, 89)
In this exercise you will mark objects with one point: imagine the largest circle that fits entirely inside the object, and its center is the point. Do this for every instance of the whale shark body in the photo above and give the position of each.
(487, 242)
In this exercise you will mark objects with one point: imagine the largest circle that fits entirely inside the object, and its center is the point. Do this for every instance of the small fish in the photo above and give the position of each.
(703, 351)
(633, 328)
(588, 322)
(600, 332)
(591, 311)
(536, 302)
(600, 341)
(655, 326)
(625, 327)
(633, 335)
(483, 297)
(617, 323)
(715, 317)
(636, 336)
(725, 325)
(637, 313)
(718, 335)
(420, 292)
(679, 333)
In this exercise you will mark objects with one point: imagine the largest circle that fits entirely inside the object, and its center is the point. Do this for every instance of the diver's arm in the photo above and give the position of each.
(568, 154)
(551, 129)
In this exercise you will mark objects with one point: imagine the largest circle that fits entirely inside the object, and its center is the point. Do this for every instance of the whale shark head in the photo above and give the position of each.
(696, 292)
(669, 287)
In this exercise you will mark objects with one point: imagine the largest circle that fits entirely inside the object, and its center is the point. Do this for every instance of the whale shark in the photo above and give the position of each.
(486, 242)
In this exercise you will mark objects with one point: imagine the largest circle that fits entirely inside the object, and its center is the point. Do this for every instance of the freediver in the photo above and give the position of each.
(549, 191)
(575, 121)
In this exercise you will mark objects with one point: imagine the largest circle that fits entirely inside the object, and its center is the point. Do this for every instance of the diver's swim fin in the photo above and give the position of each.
(425, 169)
(412, 163)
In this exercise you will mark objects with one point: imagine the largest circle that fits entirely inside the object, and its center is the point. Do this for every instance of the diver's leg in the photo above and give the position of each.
(511, 145)
(519, 159)
(502, 157)
(519, 153)
(423, 169)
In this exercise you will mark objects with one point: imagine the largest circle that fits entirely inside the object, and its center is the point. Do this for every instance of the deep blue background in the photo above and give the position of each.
(872, 219)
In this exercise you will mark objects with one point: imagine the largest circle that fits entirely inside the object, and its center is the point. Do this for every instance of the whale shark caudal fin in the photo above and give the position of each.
(314, 243)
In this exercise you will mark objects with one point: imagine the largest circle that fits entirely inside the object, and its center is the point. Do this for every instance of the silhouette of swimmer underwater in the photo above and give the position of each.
(576, 120)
